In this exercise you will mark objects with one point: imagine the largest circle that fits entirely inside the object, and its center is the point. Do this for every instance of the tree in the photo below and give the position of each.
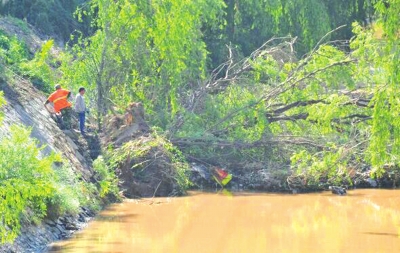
(144, 51)
(248, 24)
(323, 111)
(382, 58)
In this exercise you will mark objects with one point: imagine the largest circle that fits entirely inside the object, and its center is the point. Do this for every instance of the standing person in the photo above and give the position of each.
(59, 98)
(80, 108)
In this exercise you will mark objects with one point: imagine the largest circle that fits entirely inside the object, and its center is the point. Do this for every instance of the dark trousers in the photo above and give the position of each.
(81, 121)
(66, 117)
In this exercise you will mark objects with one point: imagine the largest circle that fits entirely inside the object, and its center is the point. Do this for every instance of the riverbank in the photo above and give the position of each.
(36, 238)
(284, 181)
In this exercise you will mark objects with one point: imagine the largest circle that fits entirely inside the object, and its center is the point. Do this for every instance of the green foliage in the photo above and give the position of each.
(29, 187)
(25, 180)
(12, 51)
(106, 179)
(379, 61)
(157, 52)
(322, 169)
(71, 193)
(156, 48)
(375, 142)
(248, 24)
(39, 70)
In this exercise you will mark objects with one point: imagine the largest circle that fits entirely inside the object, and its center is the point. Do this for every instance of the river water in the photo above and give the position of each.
(363, 221)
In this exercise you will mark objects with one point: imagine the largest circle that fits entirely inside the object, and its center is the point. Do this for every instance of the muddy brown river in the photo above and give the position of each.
(363, 221)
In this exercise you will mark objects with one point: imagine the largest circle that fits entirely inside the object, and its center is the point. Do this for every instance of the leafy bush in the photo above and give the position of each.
(106, 178)
(25, 180)
(39, 69)
(71, 193)
(12, 50)
(31, 189)
(322, 168)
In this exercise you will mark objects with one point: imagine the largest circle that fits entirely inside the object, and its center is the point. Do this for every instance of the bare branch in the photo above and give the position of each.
(184, 142)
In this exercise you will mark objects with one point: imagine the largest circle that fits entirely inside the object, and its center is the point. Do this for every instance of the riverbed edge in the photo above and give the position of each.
(37, 238)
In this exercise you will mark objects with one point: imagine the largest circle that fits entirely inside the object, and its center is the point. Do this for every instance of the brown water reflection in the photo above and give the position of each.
(364, 221)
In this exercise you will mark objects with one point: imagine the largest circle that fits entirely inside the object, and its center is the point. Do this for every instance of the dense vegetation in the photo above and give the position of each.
(15, 57)
(318, 99)
(324, 109)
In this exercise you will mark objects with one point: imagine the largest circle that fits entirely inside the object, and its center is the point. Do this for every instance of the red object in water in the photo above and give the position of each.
(221, 176)
(221, 173)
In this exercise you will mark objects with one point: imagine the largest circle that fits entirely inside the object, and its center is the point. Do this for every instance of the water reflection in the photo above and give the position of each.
(364, 221)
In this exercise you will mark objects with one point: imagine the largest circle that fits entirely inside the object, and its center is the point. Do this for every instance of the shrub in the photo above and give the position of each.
(12, 51)
(106, 178)
(30, 188)
(71, 193)
(39, 69)
(25, 180)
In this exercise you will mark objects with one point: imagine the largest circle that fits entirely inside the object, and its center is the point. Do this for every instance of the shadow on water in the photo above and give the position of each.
(65, 248)
(382, 234)
(71, 247)
(116, 218)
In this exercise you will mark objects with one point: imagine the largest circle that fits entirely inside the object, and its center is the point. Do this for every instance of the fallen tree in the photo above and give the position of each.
(298, 113)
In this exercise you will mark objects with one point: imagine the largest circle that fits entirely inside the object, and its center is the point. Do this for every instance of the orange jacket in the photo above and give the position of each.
(60, 99)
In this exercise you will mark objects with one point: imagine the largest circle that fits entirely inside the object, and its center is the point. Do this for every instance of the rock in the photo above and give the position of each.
(372, 182)
(71, 134)
(71, 226)
(338, 190)
(81, 218)
(50, 223)
(202, 170)
(60, 228)
(60, 221)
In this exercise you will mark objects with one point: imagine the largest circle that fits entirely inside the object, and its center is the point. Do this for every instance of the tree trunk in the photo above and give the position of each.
(230, 19)
(99, 82)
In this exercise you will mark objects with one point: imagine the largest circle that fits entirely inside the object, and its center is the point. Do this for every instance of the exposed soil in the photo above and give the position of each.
(146, 170)
(148, 175)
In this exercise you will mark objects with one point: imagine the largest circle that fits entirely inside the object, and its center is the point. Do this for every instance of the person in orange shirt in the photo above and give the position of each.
(62, 106)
